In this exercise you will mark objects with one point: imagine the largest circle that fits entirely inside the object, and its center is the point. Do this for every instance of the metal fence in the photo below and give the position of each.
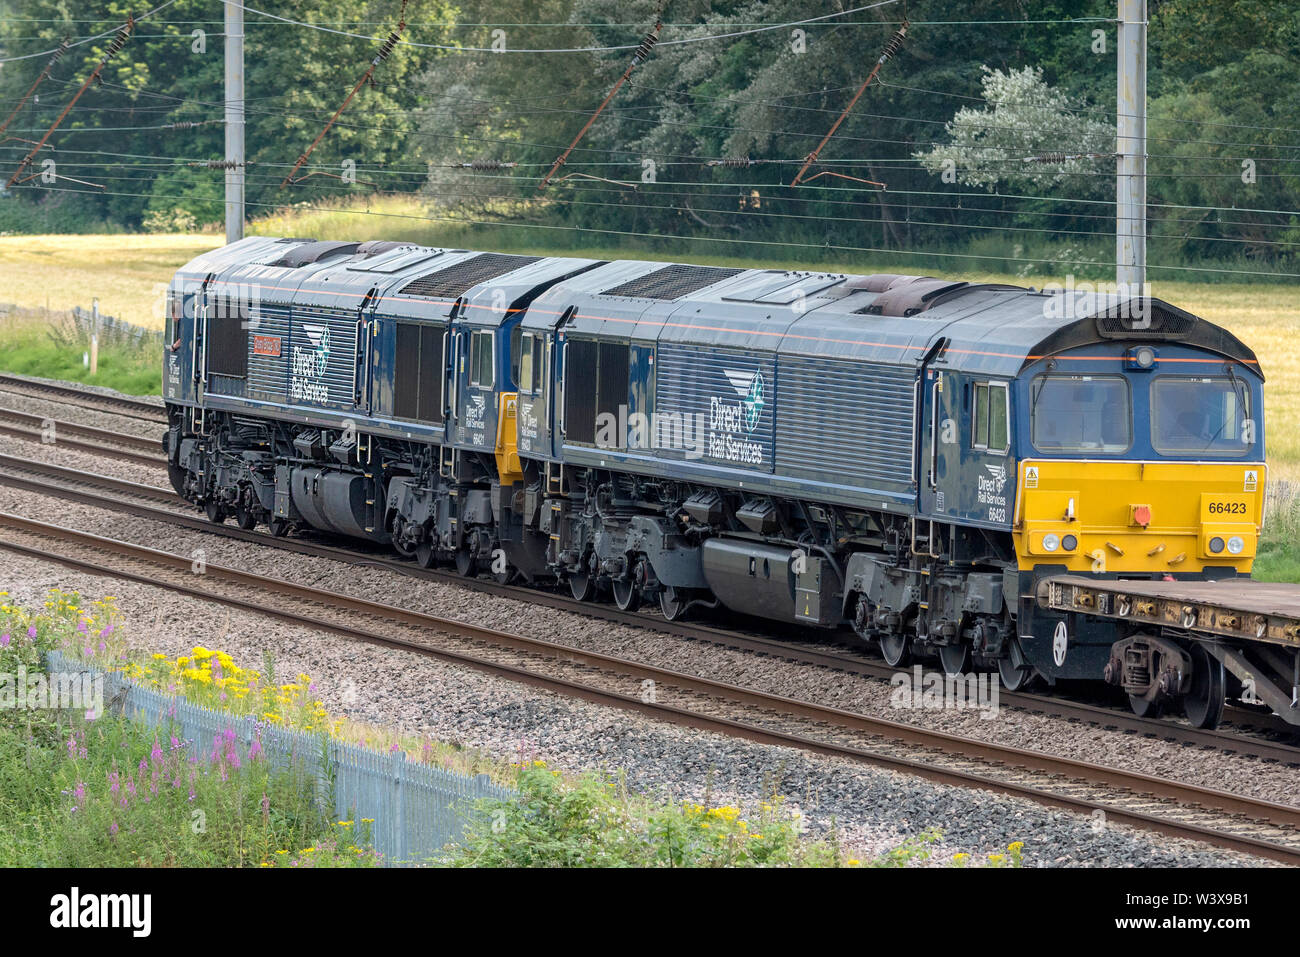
(113, 329)
(417, 809)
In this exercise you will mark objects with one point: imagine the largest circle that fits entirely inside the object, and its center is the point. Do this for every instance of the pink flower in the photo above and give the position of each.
(81, 627)
(157, 752)
(114, 782)
(113, 828)
(4, 640)
(255, 749)
(88, 651)
(107, 630)
(80, 792)
(102, 646)
(31, 632)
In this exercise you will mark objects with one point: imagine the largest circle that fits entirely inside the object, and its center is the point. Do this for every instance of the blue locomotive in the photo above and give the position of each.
(907, 456)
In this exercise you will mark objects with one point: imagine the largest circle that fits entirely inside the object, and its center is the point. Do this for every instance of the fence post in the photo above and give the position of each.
(94, 336)
(398, 769)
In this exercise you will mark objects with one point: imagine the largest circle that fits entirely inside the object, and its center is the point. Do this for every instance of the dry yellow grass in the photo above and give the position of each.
(128, 273)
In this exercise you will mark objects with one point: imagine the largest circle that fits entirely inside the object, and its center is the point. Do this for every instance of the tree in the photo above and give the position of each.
(1028, 136)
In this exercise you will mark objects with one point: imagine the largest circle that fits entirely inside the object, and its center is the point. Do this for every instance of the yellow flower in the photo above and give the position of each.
(367, 820)
(345, 823)
(853, 862)
(282, 852)
(1015, 846)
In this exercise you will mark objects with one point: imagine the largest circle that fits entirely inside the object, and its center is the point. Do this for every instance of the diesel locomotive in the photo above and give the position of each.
(909, 457)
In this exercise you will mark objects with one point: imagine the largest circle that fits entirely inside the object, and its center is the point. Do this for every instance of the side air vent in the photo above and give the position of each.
(672, 282)
(452, 282)
(1144, 319)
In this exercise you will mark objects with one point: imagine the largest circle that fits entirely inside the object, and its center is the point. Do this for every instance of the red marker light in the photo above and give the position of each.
(1142, 515)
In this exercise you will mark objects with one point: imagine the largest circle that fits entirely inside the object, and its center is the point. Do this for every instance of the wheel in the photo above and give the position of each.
(582, 586)
(1014, 678)
(897, 650)
(1203, 703)
(395, 536)
(1145, 708)
(215, 511)
(955, 659)
(245, 518)
(466, 562)
(278, 527)
(425, 555)
(626, 595)
(672, 602)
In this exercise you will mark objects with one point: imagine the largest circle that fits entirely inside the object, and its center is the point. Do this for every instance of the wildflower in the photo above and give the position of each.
(853, 862)
(255, 749)
(1016, 846)
(113, 828)
(81, 627)
(80, 793)
(102, 646)
(4, 640)
(31, 632)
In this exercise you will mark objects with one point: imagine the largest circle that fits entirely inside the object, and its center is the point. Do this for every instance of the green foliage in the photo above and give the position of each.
(295, 79)
(106, 791)
(31, 344)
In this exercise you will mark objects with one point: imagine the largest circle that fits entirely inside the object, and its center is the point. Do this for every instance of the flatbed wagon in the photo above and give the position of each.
(1251, 628)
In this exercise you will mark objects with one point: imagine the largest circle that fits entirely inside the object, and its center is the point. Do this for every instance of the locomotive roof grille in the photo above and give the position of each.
(672, 282)
(452, 282)
(1130, 320)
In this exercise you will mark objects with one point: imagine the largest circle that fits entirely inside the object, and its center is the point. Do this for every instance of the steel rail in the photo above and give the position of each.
(118, 405)
(1050, 705)
(1144, 788)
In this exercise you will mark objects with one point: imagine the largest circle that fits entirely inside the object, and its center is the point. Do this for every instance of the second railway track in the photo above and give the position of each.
(116, 494)
(1227, 820)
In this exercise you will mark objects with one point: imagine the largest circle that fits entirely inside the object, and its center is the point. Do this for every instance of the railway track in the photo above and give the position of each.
(1227, 820)
(119, 445)
(105, 492)
(87, 399)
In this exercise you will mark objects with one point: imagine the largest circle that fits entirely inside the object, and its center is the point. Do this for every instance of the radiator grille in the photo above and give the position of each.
(452, 282)
(672, 282)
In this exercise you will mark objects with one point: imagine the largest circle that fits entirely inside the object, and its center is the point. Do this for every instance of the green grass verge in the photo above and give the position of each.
(53, 347)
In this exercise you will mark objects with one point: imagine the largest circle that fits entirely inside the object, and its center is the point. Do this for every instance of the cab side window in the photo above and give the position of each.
(481, 372)
(990, 429)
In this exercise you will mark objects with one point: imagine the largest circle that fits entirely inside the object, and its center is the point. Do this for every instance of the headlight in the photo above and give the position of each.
(1216, 544)
(1069, 543)
(1236, 544)
(1051, 542)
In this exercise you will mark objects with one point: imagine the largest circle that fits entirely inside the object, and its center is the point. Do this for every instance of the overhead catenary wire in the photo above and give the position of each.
(114, 47)
(642, 54)
(41, 78)
(892, 46)
(385, 49)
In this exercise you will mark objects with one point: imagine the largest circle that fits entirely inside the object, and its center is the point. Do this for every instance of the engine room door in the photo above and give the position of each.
(936, 434)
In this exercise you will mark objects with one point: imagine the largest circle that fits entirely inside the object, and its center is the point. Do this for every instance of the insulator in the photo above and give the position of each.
(894, 43)
(733, 162)
(487, 165)
(58, 54)
(387, 48)
(646, 45)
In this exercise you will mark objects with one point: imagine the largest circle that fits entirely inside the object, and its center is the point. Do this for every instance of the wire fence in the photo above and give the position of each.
(417, 809)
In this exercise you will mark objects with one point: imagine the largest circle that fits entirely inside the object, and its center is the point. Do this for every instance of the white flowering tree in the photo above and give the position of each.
(1027, 136)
